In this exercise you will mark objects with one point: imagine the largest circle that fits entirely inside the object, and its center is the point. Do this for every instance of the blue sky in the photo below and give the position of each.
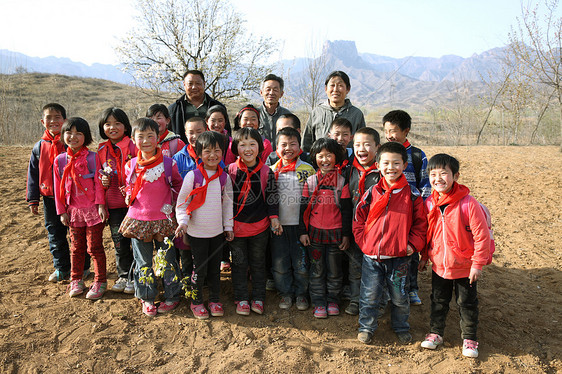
(86, 31)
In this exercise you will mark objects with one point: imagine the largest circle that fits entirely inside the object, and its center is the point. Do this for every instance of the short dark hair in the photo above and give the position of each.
(119, 115)
(145, 123)
(56, 107)
(442, 160)
(219, 109)
(295, 121)
(273, 77)
(392, 147)
(81, 125)
(371, 132)
(195, 119)
(209, 139)
(246, 132)
(194, 72)
(342, 75)
(331, 146)
(239, 115)
(399, 118)
(342, 122)
(289, 132)
(154, 109)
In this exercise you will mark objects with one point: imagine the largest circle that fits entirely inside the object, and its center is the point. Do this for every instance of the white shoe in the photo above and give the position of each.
(129, 288)
(119, 285)
(432, 341)
(470, 348)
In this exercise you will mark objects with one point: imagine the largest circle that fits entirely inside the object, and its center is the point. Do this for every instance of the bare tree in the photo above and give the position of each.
(172, 36)
(311, 86)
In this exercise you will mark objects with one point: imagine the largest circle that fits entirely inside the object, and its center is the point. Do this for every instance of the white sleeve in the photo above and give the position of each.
(227, 206)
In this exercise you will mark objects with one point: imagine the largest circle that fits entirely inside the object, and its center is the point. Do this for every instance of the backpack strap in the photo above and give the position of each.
(168, 163)
(417, 160)
(133, 175)
(264, 176)
(91, 160)
(174, 146)
(464, 212)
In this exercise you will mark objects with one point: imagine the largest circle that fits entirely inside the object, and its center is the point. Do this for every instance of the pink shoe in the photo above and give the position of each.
(225, 266)
(167, 306)
(257, 306)
(76, 287)
(242, 308)
(216, 309)
(96, 290)
(199, 311)
(149, 308)
(333, 309)
(320, 312)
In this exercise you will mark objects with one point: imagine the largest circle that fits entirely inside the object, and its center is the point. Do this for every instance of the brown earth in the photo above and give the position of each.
(43, 330)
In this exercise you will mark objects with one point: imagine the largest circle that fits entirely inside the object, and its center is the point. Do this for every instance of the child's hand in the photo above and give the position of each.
(344, 243)
(305, 240)
(127, 199)
(229, 235)
(105, 181)
(64, 219)
(409, 250)
(181, 230)
(102, 212)
(474, 275)
(276, 226)
(421, 265)
(34, 209)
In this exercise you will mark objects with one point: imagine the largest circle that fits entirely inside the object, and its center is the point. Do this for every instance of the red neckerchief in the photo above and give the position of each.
(292, 166)
(146, 164)
(70, 171)
(342, 165)
(363, 174)
(120, 160)
(379, 206)
(455, 194)
(245, 191)
(191, 152)
(329, 179)
(200, 193)
(56, 145)
(163, 136)
(406, 144)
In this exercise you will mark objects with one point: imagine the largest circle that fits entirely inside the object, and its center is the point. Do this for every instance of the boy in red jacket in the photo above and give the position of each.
(457, 252)
(390, 225)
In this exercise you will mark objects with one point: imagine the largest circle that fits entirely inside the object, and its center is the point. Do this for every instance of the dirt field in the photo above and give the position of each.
(42, 330)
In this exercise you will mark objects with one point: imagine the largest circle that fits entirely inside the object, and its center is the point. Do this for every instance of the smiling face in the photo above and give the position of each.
(194, 87)
(52, 120)
(325, 160)
(248, 150)
(162, 122)
(114, 130)
(74, 139)
(337, 91)
(271, 93)
(288, 148)
(146, 141)
(391, 166)
(340, 134)
(394, 133)
(193, 130)
(365, 149)
(249, 118)
(211, 157)
(216, 122)
(442, 179)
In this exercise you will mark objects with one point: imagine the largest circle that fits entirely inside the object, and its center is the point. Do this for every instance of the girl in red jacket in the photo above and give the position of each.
(457, 252)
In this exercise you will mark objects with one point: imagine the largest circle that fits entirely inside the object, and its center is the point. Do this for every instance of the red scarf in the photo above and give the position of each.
(56, 145)
(406, 144)
(70, 171)
(455, 194)
(363, 174)
(163, 136)
(292, 166)
(380, 205)
(191, 152)
(120, 159)
(146, 164)
(200, 193)
(245, 191)
(329, 179)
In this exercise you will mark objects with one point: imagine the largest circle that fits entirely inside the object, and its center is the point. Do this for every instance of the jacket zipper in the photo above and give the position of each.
(444, 240)
(383, 226)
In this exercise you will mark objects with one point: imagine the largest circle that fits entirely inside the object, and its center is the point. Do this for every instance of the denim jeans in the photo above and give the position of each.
(249, 251)
(56, 232)
(393, 273)
(207, 255)
(325, 274)
(123, 251)
(466, 298)
(147, 289)
(290, 269)
(413, 271)
(355, 257)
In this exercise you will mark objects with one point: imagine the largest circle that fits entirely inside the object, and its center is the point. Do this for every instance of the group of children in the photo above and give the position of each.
(370, 208)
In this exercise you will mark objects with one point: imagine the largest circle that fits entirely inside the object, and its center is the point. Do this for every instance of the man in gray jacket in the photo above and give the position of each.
(338, 105)
(271, 91)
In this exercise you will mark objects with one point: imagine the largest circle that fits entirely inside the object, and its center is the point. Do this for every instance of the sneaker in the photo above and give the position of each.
(257, 306)
(97, 289)
(242, 308)
(167, 306)
(58, 276)
(76, 287)
(86, 273)
(149, 308)
(199, 311)
(320, 312)
(119, 285)
(432, 341)
(470, 348)
(404, 337)
(216, 309)
(270, 285)
(225, 266)
(414, 298)
(333, 309)
(286, 302)
(352, 309)
(302, 303)
(129, 288)
(364, 337)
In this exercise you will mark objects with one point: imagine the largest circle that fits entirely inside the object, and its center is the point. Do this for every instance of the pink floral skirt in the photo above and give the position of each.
(145, 230)
(80, 217)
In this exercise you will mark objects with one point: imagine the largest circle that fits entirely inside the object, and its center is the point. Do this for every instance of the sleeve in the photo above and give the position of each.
(99, 197)
(60, 205)
(267, 150)
(418, 231)
(227, 206)
(308, 135)
(425, 250)
(346, 211)
(32, 193)
(272, 196)
(424, 186)
(128, 171)
(480, 233)
(305, 199)
(182, 202)
(361, 214)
